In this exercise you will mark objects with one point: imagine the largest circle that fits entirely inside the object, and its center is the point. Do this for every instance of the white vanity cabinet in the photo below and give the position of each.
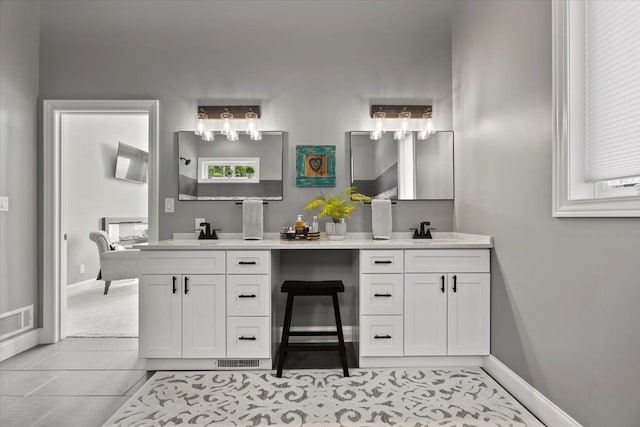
(182, 314)
(447, 301)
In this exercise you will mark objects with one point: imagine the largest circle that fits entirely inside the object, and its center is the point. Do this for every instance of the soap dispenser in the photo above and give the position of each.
(299, 225)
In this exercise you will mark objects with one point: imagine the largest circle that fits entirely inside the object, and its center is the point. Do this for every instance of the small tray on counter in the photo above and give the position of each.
(295, 236)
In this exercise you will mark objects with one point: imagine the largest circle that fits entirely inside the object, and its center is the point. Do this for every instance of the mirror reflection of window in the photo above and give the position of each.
(230, 170)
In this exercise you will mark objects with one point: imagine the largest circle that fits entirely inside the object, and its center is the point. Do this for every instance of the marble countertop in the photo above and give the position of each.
(230, 241)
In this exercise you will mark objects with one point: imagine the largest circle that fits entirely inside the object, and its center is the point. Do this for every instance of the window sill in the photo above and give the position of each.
(610, 207)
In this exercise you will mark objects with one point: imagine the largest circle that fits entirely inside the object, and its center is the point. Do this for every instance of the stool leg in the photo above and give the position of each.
(285, 335)
(343, 349)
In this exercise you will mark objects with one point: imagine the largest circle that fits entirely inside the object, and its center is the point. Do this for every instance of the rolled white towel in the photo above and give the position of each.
(252, 220)
(381, 222)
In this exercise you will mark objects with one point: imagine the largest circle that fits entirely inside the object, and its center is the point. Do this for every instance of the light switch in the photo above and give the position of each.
(4, 204)
(168, 205)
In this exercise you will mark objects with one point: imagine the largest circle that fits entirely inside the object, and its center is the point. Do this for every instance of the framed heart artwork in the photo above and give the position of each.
(315, 165)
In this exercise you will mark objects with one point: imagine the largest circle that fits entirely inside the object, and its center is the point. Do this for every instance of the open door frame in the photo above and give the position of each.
(51, 189)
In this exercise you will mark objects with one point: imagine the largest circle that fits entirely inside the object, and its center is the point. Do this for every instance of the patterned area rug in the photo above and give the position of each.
(404, 397)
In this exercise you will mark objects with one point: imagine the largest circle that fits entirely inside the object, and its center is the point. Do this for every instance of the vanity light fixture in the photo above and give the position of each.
(206, 124)
(401, 119)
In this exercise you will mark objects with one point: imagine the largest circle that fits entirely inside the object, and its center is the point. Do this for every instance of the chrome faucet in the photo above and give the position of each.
(425, 231)
(207, 233)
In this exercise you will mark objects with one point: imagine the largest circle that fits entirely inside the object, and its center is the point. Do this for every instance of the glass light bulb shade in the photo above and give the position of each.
(232, 135)
(252, 122)
(208, 135)
(378, 122)
(398, 135)
(429, 126)
(255, 136)
(200, 123)
(422, 135)
(375, 135)
(404, 117)
(227, 126)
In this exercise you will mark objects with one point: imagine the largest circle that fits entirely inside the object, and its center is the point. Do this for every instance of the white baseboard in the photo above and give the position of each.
(547, 411)
(346, 330)
(19, 343)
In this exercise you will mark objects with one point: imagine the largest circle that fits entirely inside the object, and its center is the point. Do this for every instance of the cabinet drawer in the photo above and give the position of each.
(381, 293)
(447, 260)
(381, 336)
(248, 295)
(182, 262)
(381, 261)
(248, 262)
(248, 337)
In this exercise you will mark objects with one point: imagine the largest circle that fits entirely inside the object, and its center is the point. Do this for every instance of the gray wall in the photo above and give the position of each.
(314, 66)
(90, 144)
(565, 292)
(18, 143)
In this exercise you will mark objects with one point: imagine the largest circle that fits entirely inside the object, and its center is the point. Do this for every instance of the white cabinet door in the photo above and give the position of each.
(425, 317)
(469, 316)
(381, 294)
(203, 316)
(160, 311)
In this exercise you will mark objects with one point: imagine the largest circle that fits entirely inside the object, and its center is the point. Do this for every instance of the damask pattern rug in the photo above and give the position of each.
(403, 397)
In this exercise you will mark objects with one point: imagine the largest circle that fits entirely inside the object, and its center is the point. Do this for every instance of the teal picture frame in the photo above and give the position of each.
(315, 165)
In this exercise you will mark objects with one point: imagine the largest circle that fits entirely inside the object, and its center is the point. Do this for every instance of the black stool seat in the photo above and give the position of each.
(301, 287)
(312, 288)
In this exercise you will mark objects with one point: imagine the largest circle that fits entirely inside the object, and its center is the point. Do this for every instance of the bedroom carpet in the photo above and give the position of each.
(92, 314)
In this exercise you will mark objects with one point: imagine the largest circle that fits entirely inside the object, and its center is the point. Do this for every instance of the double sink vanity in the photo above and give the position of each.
(214, 304)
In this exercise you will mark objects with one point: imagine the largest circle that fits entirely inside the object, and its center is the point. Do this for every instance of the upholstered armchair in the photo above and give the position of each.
(114, 264)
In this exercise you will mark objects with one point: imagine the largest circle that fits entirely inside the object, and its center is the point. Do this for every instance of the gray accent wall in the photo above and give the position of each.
(565, 292)
(19, 39)
(315, 67)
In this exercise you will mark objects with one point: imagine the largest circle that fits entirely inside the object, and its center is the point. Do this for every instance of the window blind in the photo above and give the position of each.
(612, 89)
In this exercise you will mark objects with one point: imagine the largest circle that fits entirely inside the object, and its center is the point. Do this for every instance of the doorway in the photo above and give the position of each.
(104, 204)
(89, 121)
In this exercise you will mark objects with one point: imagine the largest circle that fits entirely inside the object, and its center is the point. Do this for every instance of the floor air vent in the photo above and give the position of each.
(230, 363)
(15, 321)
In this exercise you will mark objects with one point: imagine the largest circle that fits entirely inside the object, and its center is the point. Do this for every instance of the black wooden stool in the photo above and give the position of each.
(301, 288)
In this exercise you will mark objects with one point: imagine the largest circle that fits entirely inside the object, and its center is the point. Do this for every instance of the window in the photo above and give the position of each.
(596, 136)
(229, 170)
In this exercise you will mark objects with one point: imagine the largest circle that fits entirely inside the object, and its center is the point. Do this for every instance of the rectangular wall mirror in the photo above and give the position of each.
(230, 170)
(405, 169)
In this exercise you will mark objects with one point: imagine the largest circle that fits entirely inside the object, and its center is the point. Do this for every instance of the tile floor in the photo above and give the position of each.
(76, 382)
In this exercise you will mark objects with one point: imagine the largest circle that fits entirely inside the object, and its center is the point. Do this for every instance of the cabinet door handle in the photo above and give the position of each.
(247, 263)
(186, 285)
(383, 262)
(247, 338)
(175, 289)
(381, 295)
(246, 296)
(455, 283)
(382, 337)
(442, 287)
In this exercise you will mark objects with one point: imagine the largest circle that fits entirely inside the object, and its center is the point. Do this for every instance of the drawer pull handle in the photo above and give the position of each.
(246, 296)
(186, 285)
(247, 263)
(382, 337)
(442, 287)
(247, 338)
(455, 283)
(381, 295)
(175, 289)
(383, 262)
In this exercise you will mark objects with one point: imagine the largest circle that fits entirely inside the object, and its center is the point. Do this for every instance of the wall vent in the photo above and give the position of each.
(16, 321)
(244, 363)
